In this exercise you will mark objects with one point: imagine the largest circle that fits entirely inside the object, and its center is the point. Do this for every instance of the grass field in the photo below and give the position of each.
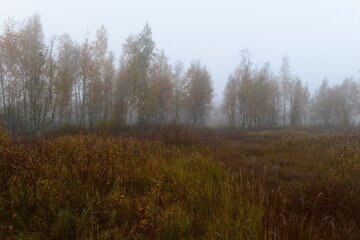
(181, 184)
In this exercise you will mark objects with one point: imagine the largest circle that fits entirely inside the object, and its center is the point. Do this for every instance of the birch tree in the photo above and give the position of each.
(199, 94)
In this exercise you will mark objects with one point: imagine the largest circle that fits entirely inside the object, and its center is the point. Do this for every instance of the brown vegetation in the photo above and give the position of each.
(176, 183)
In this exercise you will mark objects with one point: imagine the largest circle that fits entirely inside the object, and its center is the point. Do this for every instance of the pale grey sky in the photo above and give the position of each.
(321, 37)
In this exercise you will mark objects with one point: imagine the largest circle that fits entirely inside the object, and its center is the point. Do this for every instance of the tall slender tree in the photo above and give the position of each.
(285, 86)
(199, 93)
(161, 89)
(230, 103)
(179, 83)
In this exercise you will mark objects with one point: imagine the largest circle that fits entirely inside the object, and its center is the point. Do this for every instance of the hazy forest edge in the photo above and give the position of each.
(51, 84)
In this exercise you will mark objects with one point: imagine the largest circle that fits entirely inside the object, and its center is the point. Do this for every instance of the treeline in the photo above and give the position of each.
(48, 85)
(257, 98)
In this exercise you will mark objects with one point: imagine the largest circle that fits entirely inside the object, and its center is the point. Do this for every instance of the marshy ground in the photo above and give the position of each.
(181, 184)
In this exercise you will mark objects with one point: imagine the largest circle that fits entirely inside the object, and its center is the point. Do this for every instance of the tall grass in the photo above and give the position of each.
(176, 183)
(105, 187)
(308, 181)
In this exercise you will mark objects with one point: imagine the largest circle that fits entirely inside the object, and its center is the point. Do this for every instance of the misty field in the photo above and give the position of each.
(176, 183)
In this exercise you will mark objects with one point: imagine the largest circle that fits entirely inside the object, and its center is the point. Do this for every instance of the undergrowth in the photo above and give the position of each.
(105, 187)
(179, 184)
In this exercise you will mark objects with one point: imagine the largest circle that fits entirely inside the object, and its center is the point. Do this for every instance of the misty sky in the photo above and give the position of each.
(321, 38)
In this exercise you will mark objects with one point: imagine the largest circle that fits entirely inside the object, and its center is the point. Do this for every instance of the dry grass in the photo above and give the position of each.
(99, 186)
(174, 183)
(308, 182)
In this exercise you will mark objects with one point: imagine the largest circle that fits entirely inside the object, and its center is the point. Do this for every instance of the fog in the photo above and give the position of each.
(321, 37)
